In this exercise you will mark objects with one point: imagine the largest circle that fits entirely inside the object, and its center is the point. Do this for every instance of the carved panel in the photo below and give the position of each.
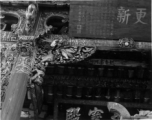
(25, 59)
(58, 50)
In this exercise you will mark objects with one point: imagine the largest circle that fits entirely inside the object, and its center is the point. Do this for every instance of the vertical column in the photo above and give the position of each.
(16, 91)
(15, 94)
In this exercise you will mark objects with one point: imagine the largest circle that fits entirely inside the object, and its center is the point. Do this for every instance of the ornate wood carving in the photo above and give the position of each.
(42, 26)
(36, 80)
(9, 49)
(126, 43)
(59, 51)
(25, 46)
(50, 49)
(31, 14)
(9, 54)
(16, 12)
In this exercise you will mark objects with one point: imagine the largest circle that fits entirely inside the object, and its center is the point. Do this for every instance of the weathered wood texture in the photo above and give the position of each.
(111, 19)
(15, 96)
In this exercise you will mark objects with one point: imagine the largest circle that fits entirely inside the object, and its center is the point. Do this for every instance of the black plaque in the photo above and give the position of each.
(111, 19)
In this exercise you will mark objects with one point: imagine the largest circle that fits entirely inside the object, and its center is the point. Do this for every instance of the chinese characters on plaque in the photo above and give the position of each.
(73, 114)
(95, 114)
(111, 19)
(123, 15)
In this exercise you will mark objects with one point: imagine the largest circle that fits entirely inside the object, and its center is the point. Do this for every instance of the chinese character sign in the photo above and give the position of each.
(95, 114)
(124, 15)
(73, 114)
(141, 13)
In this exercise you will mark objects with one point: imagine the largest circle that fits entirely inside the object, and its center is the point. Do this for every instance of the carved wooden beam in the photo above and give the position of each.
(112, 45)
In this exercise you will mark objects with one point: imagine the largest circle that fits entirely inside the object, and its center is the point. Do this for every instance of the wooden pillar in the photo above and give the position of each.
(15, 94)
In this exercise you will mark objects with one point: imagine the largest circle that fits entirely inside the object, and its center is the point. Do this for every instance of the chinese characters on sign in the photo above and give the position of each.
(140, 14)
(73, 114)
(95, 114)
(123, 15)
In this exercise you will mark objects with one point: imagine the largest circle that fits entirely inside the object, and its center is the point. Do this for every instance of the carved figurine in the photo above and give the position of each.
(37, 78)
(31, 14)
